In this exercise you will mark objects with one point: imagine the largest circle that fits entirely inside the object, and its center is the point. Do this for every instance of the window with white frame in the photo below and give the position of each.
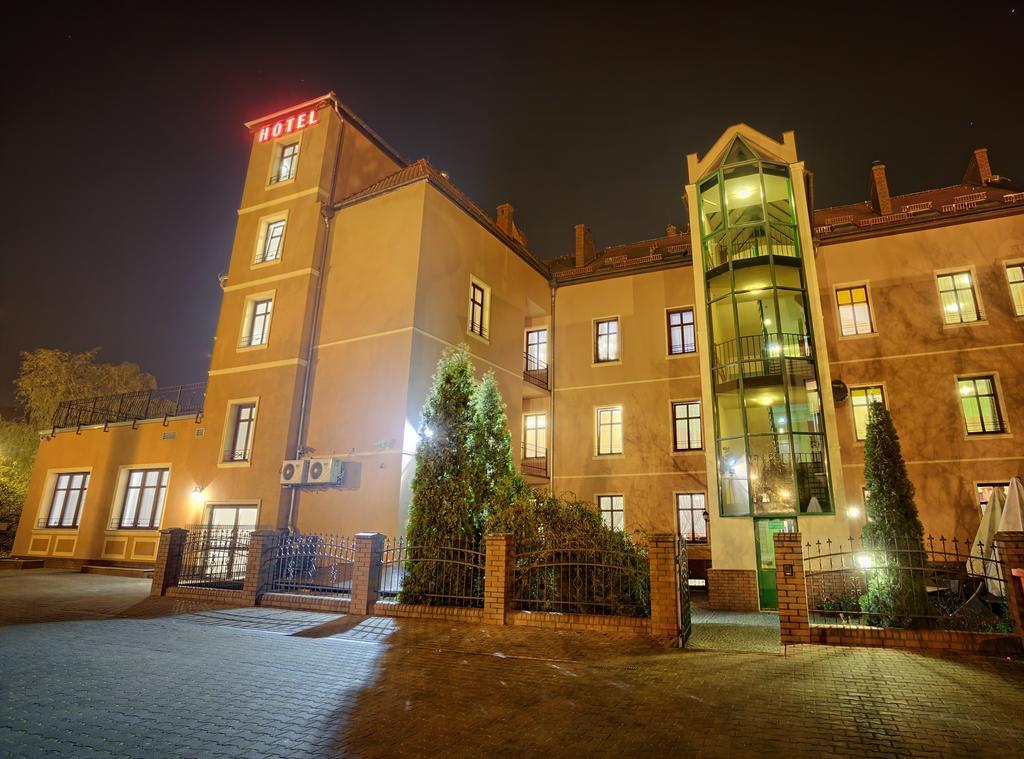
(958, 298)
(242, 420)
(478, 308)
(1015, 277)
(861, 399)
(854, 311)
(67, 499)
(535, 436)
(979, 401)
(257, 329)
(610, 509)
(270, 241)
(682, 337)
(606, 340)
(693, 517)
(144, 496)
(285, 162)
(686, 433)
(985, 492)
(609, 430)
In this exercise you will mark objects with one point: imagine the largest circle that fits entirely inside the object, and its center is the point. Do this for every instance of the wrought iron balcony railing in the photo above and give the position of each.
(162, 403)
(535, 460)
(535, 371)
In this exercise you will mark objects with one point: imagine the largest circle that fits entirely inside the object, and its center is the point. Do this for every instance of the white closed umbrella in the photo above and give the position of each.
(1012, 519)
(981, 562)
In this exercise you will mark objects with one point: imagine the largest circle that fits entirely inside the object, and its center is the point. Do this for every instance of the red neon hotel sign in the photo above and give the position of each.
(287, 125)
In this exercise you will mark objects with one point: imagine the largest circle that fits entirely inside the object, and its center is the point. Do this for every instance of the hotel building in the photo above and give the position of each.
(712, 381)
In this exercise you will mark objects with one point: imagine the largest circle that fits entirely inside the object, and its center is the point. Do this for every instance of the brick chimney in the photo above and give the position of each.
(506, 223)
(979, 172)
(585, 252)
(880, 189)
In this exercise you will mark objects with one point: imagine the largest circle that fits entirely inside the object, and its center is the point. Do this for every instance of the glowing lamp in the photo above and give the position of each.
(853, 512)
(864, 561)
(197, 494)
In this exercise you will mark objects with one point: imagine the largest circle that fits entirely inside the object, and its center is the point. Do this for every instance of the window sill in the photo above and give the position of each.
(615, 362)
(234, 464)
(988, 436)
(129, 531)
(55, 529)
(478, 338)
(264, 264)
(251, 348)
(606, 456)
(688, 452)
(686, 354)
(978, 323)
(843, 337)
(282, 183)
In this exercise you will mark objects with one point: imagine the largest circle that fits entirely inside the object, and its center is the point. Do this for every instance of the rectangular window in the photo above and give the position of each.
(606, 340)
(609, 431)
(980, 404)
(681, 335)
(854, 312)
(860, 399)
(985, 492)
(258, 331)
(536, 349)
(477, 310)
(1015, 276)
(693, 520)
(144, 499)
(273, 234)
(68, 496)
(287, 160)
(959, 302)
(610, 508)
(535, 436)
(243, 418)
(686, 426)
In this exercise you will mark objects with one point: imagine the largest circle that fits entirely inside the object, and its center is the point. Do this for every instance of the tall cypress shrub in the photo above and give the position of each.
(893, 535)
(498, 481)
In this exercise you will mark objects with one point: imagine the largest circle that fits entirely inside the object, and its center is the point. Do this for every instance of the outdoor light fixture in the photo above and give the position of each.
(743, 192)
(197, 494)
(853, 512)
(864, 561)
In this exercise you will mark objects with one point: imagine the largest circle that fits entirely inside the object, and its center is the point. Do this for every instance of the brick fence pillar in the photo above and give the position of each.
(499, 572)
(259, 565)
(366, 572)
(168, 560)
(794, 626)
(661, 554)
(1011, 551)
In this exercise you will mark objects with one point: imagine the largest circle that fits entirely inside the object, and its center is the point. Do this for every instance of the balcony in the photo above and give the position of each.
(163, 403)
(535, 371)
(535, 461)
(757, 356)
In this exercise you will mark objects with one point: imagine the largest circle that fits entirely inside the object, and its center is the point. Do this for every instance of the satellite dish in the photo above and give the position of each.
(840, 392)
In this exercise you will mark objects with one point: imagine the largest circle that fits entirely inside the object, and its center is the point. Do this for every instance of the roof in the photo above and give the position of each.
(673, 249)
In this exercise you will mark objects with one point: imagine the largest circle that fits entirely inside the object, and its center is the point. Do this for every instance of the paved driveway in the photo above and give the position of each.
(266, 682)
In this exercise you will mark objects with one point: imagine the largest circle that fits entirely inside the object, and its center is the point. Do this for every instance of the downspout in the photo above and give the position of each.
(327, 213)
(551, 389)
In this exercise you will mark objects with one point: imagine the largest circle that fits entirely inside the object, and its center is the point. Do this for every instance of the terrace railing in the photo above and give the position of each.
(165, 402)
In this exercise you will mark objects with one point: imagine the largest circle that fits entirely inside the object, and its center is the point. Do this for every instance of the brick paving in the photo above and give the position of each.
(271, 682)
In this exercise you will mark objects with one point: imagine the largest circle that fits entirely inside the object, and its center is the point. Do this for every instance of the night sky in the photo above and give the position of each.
(124, 150)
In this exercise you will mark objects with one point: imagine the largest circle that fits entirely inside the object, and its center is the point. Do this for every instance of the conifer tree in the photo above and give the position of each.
(893, 534)
(498, 481)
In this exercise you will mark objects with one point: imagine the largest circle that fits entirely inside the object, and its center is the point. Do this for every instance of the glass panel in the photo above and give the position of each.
(146, 506)
(811, 474)
(783, 241)
(787, 275)
(130, 502)
(743, 195)
(776, 194)
(57, 507)
(730, 417)
(747, 242)
(716, 251)
(719, 285)
(711, 206)
(753, 278)
(771, 474)
(732, 476)
(71, 509)
(804, 399)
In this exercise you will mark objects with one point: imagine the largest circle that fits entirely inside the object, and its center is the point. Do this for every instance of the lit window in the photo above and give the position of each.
(257, 331)
(693, 521)
(606, 340)
(610, 508)
(144, 498)
(959, 303)
(985, 492)
(273, 235)
(609, 431)
(68, 497)
(287, 160)
(1015, 275)
(478, 309)
(536, 349)
(981, 406)
(854, 313)
(861, 399)
(535, 436)
(243, 418)
(681, 335)
(686, 426)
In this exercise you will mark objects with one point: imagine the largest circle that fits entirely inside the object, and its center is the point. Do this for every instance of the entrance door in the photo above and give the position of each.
(764, 530)
(228, 542)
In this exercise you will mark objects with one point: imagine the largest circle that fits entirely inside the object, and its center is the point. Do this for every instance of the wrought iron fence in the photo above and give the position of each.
(166, 402)
(683, 589)
(582, 580)
(940, 584)
(448, 575)
(317, 564)
(215, 557)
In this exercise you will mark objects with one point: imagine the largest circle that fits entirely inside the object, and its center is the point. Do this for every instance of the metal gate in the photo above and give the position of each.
(683, 588)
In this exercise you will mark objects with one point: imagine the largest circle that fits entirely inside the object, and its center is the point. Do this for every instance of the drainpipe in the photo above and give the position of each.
(327, 213)
(551, 389)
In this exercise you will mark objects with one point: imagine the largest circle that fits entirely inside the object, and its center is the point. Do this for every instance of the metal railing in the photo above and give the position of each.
(535, 371)
(535, 460)
(164, 402)
(317, 564)
(582, 580)
(215, 557)
(448, 575)
(938, 584)
(757, 355)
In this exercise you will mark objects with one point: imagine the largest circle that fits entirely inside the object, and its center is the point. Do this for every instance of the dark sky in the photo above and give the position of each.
(124, 151)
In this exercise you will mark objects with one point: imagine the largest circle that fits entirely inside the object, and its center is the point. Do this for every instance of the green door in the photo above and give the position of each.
(764, 529)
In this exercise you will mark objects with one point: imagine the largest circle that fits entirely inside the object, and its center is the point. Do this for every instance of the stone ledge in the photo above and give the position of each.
(991, 644)
(305, 602)
(588, 622)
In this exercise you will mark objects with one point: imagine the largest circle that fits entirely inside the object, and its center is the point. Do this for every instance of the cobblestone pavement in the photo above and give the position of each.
(269, 682)
(735, 631)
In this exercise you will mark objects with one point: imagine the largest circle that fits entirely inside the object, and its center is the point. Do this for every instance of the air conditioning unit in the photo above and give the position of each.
(294, 472)
(326, 471)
